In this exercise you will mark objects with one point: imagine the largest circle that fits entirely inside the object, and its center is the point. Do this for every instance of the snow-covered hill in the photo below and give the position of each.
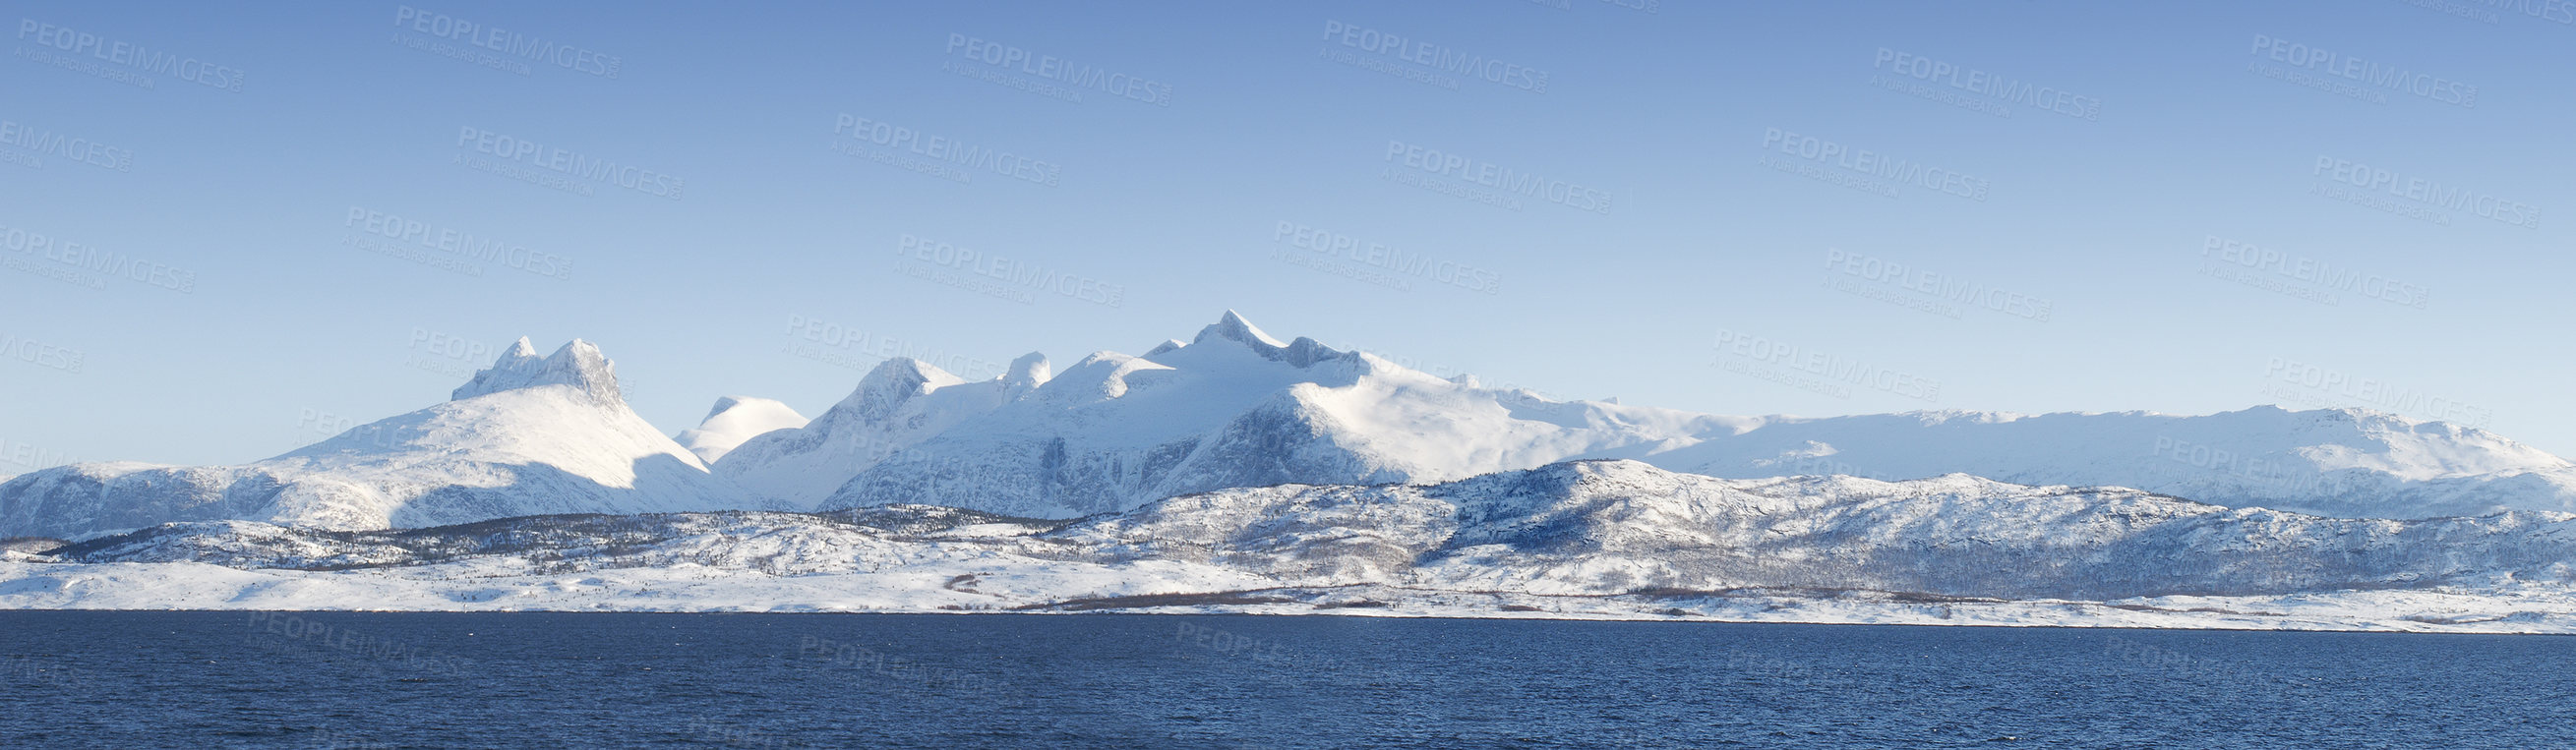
(2339, 462)
(1235, 407)
(733, 420)
(1594, 538)
(1232, 408)
(1606, 527)
(529, 435)
(898, 404)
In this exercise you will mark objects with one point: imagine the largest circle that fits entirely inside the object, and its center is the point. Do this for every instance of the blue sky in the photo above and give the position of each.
(262, 225)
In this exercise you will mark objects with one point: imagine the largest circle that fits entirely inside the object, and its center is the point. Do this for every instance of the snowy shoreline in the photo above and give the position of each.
(200, 587)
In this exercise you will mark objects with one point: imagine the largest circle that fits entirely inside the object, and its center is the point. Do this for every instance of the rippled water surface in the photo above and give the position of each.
(96, 679)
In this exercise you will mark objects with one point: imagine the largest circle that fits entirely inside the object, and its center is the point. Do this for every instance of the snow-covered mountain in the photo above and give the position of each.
(733, 420)
(2336, 462)
(1231, 408)
(529, 435)
(1235, 407)
(1592, 538)
(1610, 527)
(898, 404)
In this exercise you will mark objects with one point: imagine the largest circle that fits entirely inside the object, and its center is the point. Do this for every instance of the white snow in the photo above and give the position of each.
(734, 420)
(1584, 540)
(527, 436)
(1235, 407)
(1318, 478)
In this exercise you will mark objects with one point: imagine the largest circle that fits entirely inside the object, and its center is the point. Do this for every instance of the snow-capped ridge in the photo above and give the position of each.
(528, 435)
(578, 364)
(1233, 327)
(736, 419)
(895, 381)
(1029, 371)
(1302, 352)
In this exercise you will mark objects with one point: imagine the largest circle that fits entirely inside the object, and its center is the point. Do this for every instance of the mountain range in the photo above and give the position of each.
(1600, 538)
(529, 435)
(1232, 407)
(1238, 472)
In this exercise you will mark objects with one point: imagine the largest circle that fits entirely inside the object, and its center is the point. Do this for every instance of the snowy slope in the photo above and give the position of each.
(898, 404)
(1595, 538)
(1607, 527)
(1235, 407)
(733, 420)
(2342, 462)
(529, 435)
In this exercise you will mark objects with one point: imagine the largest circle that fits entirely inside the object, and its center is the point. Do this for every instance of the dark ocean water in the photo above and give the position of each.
(200, 680)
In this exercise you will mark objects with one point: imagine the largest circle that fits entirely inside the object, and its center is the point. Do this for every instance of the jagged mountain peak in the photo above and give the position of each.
(1302, 352)
(736, 419)
(725, 404)
(1233, 327)
(1029, 371)
(893, 382)
(578, 364)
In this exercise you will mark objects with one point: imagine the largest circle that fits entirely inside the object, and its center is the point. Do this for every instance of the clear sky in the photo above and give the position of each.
(260, 225)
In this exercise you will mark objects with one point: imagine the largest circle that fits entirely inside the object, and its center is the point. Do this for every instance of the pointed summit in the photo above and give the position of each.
(578, 364)
(1234, 328)
(1303, 352)
(1029, 371)
(734, 420)
(893, 382)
